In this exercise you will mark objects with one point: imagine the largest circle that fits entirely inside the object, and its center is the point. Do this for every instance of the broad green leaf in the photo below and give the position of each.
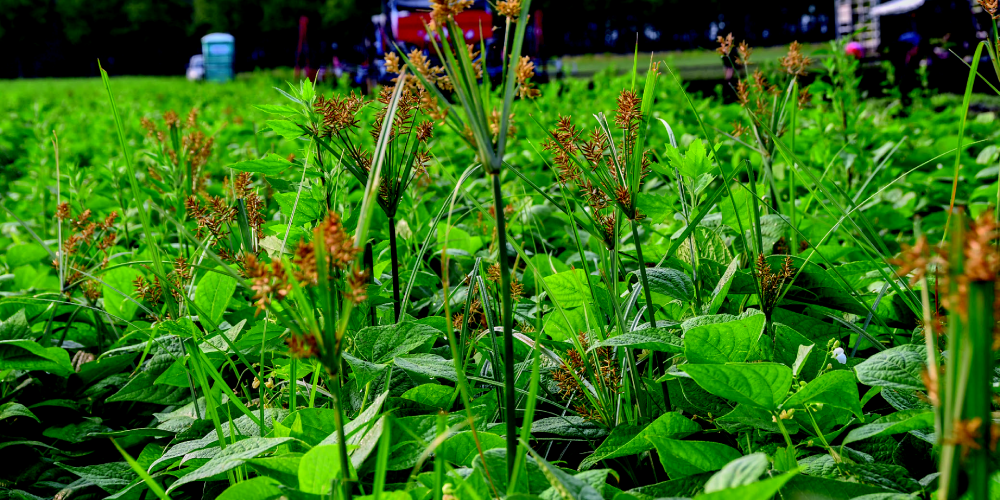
(693, 163)
(567, 487)
(739, 472)
(271, 164)
(25, 253)
(569, 426)
(275, 109)
(15, 327)
(838, 388)
(800, 358)
(435, 395)
(461, 449)
(628, 440)
(686, 458)
(658, 209)
(318, 468)
(110, 477)
(258, 488)
(763, 385)
(534, 482)
(379, 344)
(898, 368)
(803, 487)
(653, 339)
(233, 456)
(427, 367)
(283, 467)
(760, 490)
(673, 283)
(12, 409)
(122, 279)
(30, 355)
(894, 423)
(458, 239)
(364, 371)
(307, 209)
(733, 341)
(213, 294)
(569, 288)
(285, 128)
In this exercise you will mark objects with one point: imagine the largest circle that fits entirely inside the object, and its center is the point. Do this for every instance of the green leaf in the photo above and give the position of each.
(763, 385)
(258, 488)
(760, 490)
(657, 208)
(306, 211)
(30, 355)
(233, 456)
(461, 449)
(894, 423)
(897, 368)
(318, 468)
(109, 477)
(566, 486)
(687, 458)
(569, 426)
(732, 341)
(654, 339)
(215, 290)
(426, 367)
(364, 371)
(285, 128)
(122, 279)
(12, 409)
(628, 440)
(15, 327)
(721, 290)
(434, 395)
(838, 388)
(283, 467)
(692, 164)
(739, 472)
(25, 253)
(379, 344)
(671, 282)
(569, 288)
(272, 164)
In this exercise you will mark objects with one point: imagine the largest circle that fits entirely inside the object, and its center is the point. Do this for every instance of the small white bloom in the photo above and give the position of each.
(839, 355)
(403, 229)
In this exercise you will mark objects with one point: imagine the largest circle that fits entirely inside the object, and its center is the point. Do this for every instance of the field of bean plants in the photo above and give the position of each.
(605, 288)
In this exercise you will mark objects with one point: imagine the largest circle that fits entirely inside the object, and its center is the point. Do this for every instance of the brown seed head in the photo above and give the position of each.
(509, 8)
(725, 45)
(794, 62)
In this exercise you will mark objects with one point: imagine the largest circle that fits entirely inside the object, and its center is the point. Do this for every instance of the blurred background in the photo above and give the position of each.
(346, 39)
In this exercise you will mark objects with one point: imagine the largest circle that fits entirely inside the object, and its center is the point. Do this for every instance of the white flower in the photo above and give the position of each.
(839, 355)
(403, 229)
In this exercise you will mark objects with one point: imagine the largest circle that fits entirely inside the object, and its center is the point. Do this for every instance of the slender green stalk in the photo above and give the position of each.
(292, 387)
(510, 396)
(394, 256)
(979, 393)
(338, 418)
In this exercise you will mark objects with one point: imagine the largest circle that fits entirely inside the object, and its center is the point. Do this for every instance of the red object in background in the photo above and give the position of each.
(412, 28)
(303, 49)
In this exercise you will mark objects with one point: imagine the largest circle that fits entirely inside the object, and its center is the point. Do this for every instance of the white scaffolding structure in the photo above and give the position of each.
(854, 17)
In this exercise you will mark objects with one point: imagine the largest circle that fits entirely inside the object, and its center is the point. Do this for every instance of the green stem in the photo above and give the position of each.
(338, 419)
(292, 385)
(510, 401)
(394, 255)
(655, 358)
(979, 394)
(781, 427)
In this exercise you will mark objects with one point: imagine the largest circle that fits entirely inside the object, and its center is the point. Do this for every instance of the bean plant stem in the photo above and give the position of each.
(508, 337)
(394, 255)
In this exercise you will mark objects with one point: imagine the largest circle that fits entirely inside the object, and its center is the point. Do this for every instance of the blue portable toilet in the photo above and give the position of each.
(218, 50)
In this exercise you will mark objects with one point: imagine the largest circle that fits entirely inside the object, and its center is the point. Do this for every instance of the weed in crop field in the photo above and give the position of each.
(449, 290)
